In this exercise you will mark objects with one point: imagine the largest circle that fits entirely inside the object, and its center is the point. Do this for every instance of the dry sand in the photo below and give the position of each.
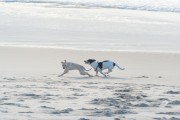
(148, 89)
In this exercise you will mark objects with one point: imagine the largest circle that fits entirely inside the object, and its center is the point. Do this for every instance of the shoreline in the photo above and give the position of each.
(89, 50)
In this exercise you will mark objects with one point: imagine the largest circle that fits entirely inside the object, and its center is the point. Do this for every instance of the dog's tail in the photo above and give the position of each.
(119, 67)
(88, 70)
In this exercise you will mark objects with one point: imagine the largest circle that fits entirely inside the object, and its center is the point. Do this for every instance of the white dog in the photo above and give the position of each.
(73, 66)
(100, 66)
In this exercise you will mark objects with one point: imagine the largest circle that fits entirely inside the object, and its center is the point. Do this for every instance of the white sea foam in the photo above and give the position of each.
(95, 46)
(148, 5)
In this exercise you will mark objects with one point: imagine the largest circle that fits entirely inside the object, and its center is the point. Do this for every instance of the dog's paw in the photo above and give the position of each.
(105, 76)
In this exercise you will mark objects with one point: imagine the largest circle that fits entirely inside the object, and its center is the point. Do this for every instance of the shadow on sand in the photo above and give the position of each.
(99, 77)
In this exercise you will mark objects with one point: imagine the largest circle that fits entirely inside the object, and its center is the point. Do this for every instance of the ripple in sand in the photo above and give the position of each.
(170, 113)
(83, 119)
(9, 78)
(47, 107)
(103, 112)
(30, 94)
(78, 94)
(15, 104)
(123, 90)
(3, 111)
(142, 105)
(173, 92)
(107, 112)
(27, 112)
(164, 118)
(142, 77)
(175, 102)
(68, 110)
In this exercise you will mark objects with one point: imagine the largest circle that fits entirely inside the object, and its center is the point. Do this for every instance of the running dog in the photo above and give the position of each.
(67, 66)
(100, 66)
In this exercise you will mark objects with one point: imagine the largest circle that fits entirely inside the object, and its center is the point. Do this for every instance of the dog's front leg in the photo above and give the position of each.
(65, 71)
(101, 72)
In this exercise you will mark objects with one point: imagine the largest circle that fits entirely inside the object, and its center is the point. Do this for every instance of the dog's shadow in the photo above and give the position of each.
(81, 78)
(99, 77)
(116, 78)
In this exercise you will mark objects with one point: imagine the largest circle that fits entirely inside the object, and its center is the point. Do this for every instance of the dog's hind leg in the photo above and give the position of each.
(102, 72)
(89, 75)
(84, 73)
(109, 70)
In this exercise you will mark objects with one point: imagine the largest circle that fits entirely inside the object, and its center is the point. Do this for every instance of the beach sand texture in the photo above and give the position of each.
(142, 36)
(30, 89)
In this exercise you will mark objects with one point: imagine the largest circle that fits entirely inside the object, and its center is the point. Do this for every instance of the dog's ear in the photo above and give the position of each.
(92, 59)
(65, 61)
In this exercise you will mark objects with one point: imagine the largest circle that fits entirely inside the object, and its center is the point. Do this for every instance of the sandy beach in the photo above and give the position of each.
(30, 89)
(142, 36)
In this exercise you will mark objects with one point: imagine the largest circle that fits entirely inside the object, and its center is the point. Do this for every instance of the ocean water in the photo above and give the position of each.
(103, 25)
(149, 5)
(96, 46)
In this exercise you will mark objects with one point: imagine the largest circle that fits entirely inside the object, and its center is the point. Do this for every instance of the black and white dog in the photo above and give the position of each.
(100, 66)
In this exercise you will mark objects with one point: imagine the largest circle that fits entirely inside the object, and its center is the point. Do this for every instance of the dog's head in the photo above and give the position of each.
(89, 61)
(64, 64)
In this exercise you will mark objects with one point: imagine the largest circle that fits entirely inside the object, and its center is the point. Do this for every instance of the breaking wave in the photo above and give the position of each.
(147, 5)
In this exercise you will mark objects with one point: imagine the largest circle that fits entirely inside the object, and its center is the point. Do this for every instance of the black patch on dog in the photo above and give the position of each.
(114, 64)
(91, 61)
(100, 65)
